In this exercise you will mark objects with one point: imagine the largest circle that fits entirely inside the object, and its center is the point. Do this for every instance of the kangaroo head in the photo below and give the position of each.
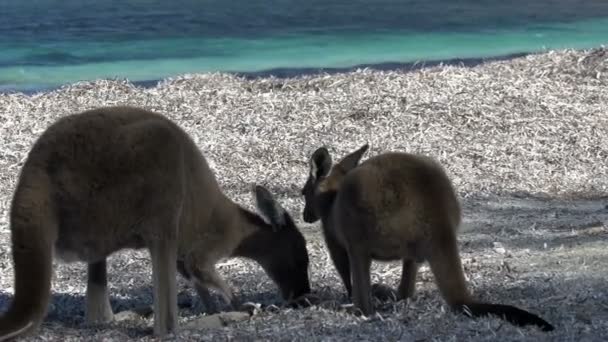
(325, 179)
(286, 261)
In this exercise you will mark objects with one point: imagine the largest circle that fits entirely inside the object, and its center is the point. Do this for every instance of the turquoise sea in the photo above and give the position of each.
(47, 43)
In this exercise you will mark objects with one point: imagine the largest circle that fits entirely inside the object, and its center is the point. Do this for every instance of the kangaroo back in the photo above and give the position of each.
(123, 177)
(394, 206)
(83, 183)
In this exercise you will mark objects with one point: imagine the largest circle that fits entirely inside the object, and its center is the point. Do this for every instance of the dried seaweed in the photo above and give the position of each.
(536, 125)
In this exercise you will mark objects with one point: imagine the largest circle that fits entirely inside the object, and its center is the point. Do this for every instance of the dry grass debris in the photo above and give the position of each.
(525, 142)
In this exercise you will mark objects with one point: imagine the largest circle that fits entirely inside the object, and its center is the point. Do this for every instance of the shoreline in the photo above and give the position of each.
(284, 73)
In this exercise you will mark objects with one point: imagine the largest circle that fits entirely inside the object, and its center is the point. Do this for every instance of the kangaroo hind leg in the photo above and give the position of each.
(407, 286)
(98, 309)
(360, 264)
(163, 253)
(339, 256)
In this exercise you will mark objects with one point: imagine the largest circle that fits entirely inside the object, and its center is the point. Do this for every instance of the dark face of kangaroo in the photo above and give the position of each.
(320, 164)
(323, 181)
(280, 248)
(394, 206)
(288, 266)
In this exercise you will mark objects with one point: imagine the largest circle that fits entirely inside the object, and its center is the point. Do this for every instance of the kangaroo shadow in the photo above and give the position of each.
(526, 221)
(521, 220)
(68, 310)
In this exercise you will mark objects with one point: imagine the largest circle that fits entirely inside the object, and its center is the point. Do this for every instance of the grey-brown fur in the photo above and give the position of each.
(123, 177)
(393, 206)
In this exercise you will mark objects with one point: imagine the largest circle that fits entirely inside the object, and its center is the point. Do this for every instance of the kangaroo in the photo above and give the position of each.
(121, 177)
(394, 206)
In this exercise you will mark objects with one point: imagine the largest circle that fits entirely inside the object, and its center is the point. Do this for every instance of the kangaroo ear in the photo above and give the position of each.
(269, 208)
(352, 160)
(320, 163)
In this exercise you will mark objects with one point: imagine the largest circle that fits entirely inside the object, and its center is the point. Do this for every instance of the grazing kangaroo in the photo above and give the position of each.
(393, 206)
(122, 177)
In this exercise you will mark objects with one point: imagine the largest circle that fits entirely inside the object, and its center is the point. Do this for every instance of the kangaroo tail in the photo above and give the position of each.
(509, 313)
(33, 233)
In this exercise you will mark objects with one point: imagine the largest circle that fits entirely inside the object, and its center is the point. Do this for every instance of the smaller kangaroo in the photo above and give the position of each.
(123, 177)
(394, 206)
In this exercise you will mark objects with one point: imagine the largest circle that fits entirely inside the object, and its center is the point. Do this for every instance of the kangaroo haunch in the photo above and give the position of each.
(394, 206)
(123, 177)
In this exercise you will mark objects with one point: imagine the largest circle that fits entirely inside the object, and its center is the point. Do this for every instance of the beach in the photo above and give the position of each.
(524, 140)
(46, 44)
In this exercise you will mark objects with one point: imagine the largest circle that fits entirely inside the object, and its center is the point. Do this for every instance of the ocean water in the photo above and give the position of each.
(47, 43)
